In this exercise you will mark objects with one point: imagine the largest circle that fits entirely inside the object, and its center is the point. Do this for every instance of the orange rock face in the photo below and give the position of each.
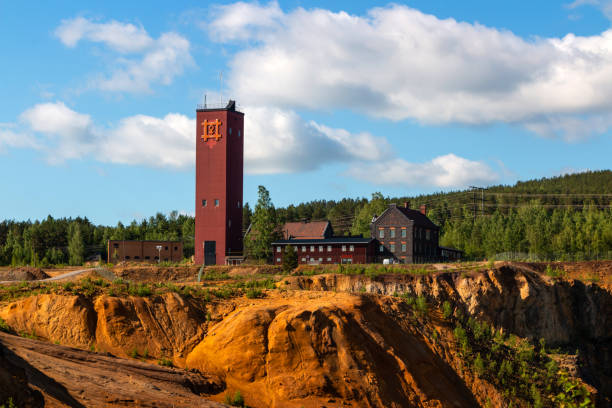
(326, 349)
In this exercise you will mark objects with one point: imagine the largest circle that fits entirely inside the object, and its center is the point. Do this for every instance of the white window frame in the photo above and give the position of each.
(329, 248)
(320, 248)
(343, 248)
(312, 248)
(381, 248)
(381, 233)
(278, 249)
(303, 248)
(392, 233)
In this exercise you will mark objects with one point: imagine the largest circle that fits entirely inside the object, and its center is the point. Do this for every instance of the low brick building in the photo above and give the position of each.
(335, 250)
(145, 251)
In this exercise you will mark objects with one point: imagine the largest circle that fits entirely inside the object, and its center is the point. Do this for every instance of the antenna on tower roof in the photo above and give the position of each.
(221, 87)
(204, 101)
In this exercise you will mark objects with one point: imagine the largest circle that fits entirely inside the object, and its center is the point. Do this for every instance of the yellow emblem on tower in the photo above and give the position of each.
(211, 130)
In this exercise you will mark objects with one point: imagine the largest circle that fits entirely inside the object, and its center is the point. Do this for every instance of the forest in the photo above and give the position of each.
(565, 217)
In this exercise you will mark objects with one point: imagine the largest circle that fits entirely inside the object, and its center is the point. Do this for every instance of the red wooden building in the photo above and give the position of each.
(347, 250)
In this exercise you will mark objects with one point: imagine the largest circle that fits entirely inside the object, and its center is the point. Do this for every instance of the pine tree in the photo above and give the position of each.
(76, 246)
(263, 227)
(290, 259)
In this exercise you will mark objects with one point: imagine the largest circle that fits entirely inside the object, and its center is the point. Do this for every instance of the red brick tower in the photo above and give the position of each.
(219, 168)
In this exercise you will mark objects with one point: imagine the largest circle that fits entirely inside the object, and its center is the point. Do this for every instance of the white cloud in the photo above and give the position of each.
(153, 60)
(398, 63)
(242, 21)
(604, 5)
(146, 140)
(10, 138)
(448, 171)
(166, 60)
(279, 141)
(121, 37)
(71, 133)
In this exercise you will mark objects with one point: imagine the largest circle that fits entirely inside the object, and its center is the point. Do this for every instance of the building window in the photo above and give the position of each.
(343, 248)
(392, 247)
(136, 257)
(165, 248)
(381, 233)
(278, 249)
(329, 248)
(392, 233)
(115, 245)
(320, 248)
(230, 131)
(403, 247)
(147, 257)
(403, 232)
(328, 259)
(303, 259)
(127, 257)
(216, 202)
(239, 133)
(381, 248)
(347, 260)
(203, 203)
(176, 248)
(427, 235)
(352, 248)
(238, 204)
(277, 259)
(320, 259)
(303, 248)
(312, 248)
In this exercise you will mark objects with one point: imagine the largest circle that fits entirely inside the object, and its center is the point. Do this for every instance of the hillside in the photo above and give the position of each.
(463, 335)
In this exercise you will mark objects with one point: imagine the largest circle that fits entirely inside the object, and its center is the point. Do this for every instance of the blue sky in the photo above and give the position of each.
(98, 98)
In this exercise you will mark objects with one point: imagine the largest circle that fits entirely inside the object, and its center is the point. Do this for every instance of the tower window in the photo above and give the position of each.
(238, 133)
(203, 203)
(238, 204)
(216, 202)
(230, 131)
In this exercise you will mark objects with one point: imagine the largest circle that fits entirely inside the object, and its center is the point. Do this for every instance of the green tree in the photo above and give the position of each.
(290, 259)
(76, 246)
(264, 229)
(363, 218)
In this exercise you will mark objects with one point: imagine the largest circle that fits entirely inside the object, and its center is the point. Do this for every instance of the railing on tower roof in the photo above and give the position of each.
(230, 105)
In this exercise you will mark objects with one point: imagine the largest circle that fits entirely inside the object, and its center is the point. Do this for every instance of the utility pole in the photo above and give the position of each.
(474, 188)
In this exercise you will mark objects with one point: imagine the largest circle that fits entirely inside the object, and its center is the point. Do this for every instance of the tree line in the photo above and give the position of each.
(567, 216)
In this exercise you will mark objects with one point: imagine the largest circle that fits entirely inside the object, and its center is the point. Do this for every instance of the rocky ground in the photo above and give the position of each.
(458, 336)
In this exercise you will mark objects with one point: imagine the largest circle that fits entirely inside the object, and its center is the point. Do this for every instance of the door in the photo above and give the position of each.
(210, 249)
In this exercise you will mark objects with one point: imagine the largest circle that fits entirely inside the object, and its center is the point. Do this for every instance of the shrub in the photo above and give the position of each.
(133, 353)
(165, 362)
(236, 400)
(479, 365)
(447, 310)
(254, 293)
(4, 326)
(421, 305)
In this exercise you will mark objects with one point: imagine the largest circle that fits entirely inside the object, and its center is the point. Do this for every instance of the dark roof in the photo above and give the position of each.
(305, 230)
(418, 218)
(334, 240)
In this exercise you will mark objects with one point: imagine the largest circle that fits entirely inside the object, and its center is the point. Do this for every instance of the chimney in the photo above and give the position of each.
(423, 209)
(406, 204)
